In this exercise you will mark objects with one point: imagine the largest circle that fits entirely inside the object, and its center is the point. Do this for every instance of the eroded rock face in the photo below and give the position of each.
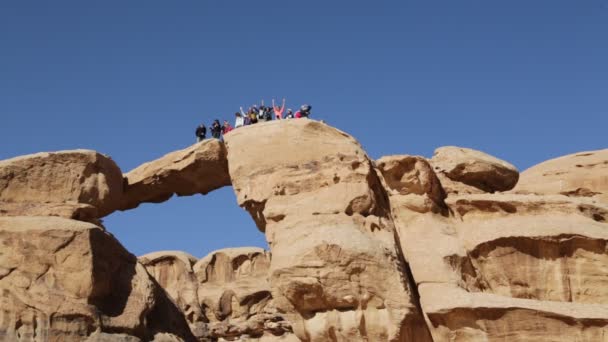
(173, 272)
(521, 267)
(234, 293)
(336, 270)
(412, 178)
(198, 169)
(79, 184)
(474, 168)
(65, 280)
(401, 249)
(583, 174)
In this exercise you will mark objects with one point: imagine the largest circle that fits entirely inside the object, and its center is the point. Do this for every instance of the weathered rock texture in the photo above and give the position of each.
(336, 270)
(173, 272)
(225, 295)
(65, 280)
(474, 168)
(401, 249)
(197, 169)
(79, 184)
(501, 266)
(234, 293)
(583, 174)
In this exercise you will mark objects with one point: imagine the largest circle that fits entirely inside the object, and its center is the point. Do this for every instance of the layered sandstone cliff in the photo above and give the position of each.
(459, 247)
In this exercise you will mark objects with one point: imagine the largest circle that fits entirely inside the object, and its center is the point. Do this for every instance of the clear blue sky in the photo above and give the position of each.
(523, 80)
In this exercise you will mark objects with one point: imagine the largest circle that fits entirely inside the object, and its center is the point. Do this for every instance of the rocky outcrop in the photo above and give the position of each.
(79, 184)
(473, 168)
(411, 181)
(198, 169)
(336, 270)
(522, 267)
(583, 174)
(65, 280)
(401, 249)
(225, 295)
(173, 272)
(234, 293)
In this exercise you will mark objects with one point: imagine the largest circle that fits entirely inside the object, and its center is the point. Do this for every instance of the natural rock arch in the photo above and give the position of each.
(301, 179)
(404, 248)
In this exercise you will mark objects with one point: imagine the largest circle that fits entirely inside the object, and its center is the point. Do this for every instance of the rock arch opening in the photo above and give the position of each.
(197, 225)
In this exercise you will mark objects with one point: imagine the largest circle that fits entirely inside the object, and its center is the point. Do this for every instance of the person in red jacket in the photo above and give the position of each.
(304, 111)
(226, 127)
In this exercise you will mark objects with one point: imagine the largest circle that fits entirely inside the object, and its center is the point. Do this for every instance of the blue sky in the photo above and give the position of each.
(523, 80)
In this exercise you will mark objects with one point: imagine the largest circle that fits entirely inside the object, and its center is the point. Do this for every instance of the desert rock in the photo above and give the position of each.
(64, 280)
(583, 174)
(198, 169)
(336, 270)
(173, 272)
(80, 184)
(522, 267)
(474, 168)
(400, 249)
(235, 295)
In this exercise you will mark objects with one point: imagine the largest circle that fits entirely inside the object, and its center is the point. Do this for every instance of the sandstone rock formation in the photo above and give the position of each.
(79, 184)
(336, 270)
(225, 295)
(173, 272)
(199, 168)
(65, 280)
(501, 266)
(400, 249)
(234, 293)
(583, 174)
(474, 168)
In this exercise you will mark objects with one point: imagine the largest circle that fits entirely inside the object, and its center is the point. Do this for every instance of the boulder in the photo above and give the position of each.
(198, 169)
(65, 280)
(583, 174)
(474, 168)
(80, 184)
(336, 270)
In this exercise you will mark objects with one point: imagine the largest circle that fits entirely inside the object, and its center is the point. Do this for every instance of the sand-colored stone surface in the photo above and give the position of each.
(502, 266)
(60, 184)
(474, 168)
(173, 272)
(336, 270)
(234, 293)
(198, 169)
(63, 280)
(400, 249)
(583, 174)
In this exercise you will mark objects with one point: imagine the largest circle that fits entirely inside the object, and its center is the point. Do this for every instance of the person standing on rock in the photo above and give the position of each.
(226, 127)
(304, 111)
(216, 129)
(262, 112)
(239, 121)
(253, 115)
(201, 132)
(278, 112)
(246, 118)
(267, 113)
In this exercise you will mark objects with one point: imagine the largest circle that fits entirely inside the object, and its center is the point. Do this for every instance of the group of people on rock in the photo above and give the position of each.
(252, 116)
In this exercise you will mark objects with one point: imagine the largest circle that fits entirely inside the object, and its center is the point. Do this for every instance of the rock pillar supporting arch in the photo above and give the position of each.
(336, 269)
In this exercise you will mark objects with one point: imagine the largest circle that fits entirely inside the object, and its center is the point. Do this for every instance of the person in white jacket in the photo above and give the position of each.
(239, 121)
